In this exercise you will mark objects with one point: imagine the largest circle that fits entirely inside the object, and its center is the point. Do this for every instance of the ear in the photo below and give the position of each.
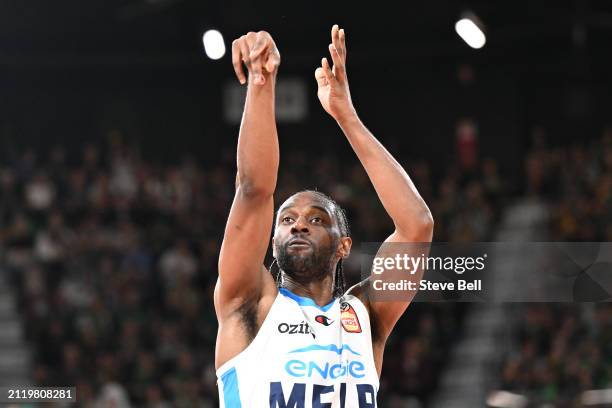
(344, 248)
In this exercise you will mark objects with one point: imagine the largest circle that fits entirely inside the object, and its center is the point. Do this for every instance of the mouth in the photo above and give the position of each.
(299, 243)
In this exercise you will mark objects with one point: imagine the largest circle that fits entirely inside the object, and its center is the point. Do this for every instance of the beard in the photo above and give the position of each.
(309, 266)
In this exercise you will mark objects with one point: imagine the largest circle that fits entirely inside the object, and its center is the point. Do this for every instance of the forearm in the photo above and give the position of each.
(394, 187)
(258, 154)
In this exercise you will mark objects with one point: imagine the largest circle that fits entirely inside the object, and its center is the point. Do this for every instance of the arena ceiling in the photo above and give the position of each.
(169, 31)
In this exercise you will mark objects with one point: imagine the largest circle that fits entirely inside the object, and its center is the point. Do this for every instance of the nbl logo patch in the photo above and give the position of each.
(349, 319)
(324, 320)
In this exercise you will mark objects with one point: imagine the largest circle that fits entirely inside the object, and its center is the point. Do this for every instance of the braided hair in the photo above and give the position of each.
(340, 216)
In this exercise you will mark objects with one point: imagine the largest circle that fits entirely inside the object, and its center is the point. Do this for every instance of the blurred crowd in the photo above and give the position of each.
(558, 351)
(417, 351)
(561, 351)
(114, 257)
(577, 180)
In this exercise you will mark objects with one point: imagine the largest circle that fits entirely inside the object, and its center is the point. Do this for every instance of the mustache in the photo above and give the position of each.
(300, 239)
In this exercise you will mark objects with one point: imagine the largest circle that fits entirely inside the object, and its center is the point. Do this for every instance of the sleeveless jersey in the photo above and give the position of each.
(305, 356)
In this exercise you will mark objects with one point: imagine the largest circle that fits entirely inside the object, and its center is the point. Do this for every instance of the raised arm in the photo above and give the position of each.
(247, 233)
(411, 216)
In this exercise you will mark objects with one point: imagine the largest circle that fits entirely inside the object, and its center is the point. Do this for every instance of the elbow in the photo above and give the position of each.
(429, 223)
(419, 228)
(425, 226)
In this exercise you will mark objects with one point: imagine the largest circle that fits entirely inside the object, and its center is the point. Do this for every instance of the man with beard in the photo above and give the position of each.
(302, 341)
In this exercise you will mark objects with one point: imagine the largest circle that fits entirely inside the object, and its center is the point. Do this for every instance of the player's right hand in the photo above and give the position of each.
(258, 52)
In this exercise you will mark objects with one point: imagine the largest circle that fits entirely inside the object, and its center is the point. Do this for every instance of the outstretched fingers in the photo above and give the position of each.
(335, 37)
(342, 43)
(320, 77)
(338, 52)
(338, 69)
(329, 75)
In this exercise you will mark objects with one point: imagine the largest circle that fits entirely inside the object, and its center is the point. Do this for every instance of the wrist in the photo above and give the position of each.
(348, 119)
(270, 80)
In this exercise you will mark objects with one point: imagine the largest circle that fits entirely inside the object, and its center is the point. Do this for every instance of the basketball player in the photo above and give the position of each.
(302, 341)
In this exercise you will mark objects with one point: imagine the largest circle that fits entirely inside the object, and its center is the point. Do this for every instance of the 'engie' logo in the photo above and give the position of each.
(299, 368)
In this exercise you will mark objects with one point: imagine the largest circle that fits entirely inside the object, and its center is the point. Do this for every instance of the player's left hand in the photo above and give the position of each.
(333, 85)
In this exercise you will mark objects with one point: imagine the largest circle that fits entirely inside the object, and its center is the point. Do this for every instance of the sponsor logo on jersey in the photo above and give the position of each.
(349, 319)
(292, 328)
(309, 367)
(324, 320)
(300, 368)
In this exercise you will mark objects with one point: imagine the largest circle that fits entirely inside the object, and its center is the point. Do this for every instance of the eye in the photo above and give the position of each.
(287, 220)
(316, 220)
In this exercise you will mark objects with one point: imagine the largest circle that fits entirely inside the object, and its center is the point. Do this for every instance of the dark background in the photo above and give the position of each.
(84, 68)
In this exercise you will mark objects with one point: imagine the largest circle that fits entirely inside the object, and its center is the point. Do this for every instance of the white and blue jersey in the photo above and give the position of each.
(305, 356)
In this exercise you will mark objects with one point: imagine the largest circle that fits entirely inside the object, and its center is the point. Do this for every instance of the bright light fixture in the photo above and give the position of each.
(213, 44)
(469, 31)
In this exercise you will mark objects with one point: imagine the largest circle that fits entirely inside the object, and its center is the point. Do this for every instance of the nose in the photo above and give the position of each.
(300, 225)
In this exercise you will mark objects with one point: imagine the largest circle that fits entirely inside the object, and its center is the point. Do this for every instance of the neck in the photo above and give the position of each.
(320, 291)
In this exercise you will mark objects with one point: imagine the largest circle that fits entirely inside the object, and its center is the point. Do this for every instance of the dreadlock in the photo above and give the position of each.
(342, 221)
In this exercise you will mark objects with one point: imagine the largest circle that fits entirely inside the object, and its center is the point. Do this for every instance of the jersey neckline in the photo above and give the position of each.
(305, 301)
